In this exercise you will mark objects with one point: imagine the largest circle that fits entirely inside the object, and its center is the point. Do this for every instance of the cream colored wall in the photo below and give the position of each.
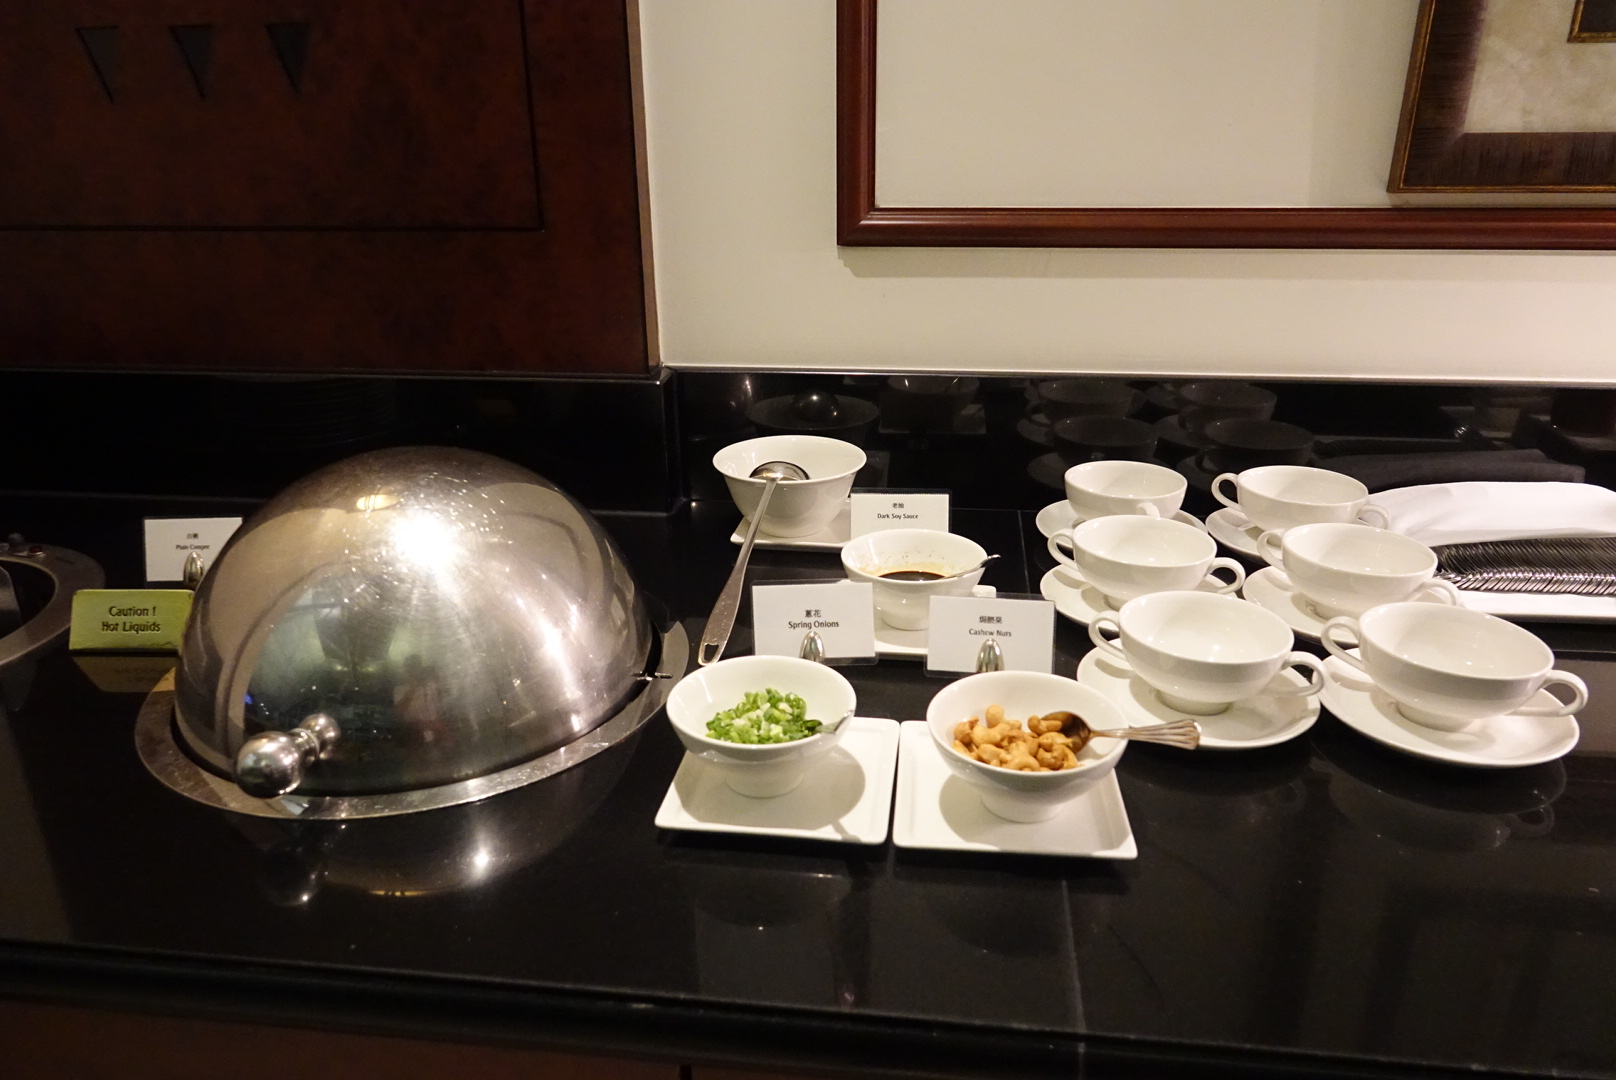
(740, 103)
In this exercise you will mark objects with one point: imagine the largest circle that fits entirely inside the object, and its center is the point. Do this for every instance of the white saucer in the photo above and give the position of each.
(890, 641)
(830, 538)
(847, 799)
(938, 811)
(1270, 588)
(1260, 721)
(1234, 531)
(1077, 599)
(1060, 515)
(1501, 742)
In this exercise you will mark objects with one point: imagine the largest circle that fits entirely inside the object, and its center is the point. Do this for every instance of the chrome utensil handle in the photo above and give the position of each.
(722, 620)
(1184, 734)
(272, 764)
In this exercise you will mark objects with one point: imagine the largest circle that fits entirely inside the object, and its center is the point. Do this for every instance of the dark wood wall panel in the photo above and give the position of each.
(385, 113)
(266, 301)
(357, 185)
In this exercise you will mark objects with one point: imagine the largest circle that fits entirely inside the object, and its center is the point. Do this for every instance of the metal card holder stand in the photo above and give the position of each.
(813, 647)
(988, 658)
(812, 642)
(989, 655)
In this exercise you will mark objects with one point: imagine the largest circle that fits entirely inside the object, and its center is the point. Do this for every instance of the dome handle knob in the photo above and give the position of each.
(272, 764)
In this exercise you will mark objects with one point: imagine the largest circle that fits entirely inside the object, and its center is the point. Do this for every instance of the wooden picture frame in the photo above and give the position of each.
(1436, 154)
(862, 222)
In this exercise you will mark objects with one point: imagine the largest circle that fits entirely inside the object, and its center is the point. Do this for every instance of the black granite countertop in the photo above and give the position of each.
(1326, 906)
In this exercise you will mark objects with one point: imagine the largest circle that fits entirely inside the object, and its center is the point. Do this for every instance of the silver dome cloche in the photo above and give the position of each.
(406, 629)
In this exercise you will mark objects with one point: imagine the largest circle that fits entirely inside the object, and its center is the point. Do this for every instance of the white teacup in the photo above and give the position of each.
(1284, 496)
(906, 605)
(1448, 667)
(1100, 488)
(1203, 652)
(1348, 569)
(1125, 556)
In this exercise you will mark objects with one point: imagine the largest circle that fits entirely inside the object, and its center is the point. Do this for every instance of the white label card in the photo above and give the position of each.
(843, 613)
(170, 540)
(1024, 629)
(873, 511)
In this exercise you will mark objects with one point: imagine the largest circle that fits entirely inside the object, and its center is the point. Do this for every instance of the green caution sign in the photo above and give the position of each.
(144, 620)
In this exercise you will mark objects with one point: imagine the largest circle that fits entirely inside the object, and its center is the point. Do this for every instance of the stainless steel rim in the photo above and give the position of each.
(69, 572)
(161, 754)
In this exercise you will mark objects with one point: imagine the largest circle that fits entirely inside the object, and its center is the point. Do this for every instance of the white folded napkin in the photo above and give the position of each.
(1541, 607)
(1478, 510)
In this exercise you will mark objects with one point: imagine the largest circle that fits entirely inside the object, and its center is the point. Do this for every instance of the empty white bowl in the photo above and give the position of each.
(801, 507)
(1025, 796)
(769, 769)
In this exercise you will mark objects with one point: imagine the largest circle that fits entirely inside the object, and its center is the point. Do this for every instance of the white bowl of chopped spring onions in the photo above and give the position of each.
(735, 693)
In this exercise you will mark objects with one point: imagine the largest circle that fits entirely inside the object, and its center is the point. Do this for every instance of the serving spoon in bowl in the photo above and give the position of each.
(722, 620)
(1184, 734)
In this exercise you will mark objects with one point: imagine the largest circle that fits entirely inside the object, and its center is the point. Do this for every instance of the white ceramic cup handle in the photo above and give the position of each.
(1103, 643)
(1327, 639)
(1315, 678)
(1579, 696)
(1057, 554)
(1445, 592)
(1217, 489)
(1233, 567)
(1148, 509)
(1371, 510)
(1270, 547)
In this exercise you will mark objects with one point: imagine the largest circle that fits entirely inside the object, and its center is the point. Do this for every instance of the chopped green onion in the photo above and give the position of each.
(765, 716)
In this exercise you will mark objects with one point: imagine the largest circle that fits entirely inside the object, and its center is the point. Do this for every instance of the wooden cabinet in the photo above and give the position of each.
(356, 185)
(53, 1042)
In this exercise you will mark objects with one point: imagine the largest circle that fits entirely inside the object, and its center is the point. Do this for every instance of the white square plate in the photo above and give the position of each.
(830, 538)
(937, 810)
(847, 799)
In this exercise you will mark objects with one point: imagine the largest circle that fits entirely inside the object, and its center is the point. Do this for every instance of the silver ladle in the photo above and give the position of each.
(722, 620)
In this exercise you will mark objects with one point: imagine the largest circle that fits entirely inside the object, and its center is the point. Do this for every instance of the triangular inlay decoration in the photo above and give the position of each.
(291, 41)
(101, 45)
(196, 46)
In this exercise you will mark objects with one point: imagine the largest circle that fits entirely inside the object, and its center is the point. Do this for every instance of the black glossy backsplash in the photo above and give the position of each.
(647, 444)
(608, 442)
